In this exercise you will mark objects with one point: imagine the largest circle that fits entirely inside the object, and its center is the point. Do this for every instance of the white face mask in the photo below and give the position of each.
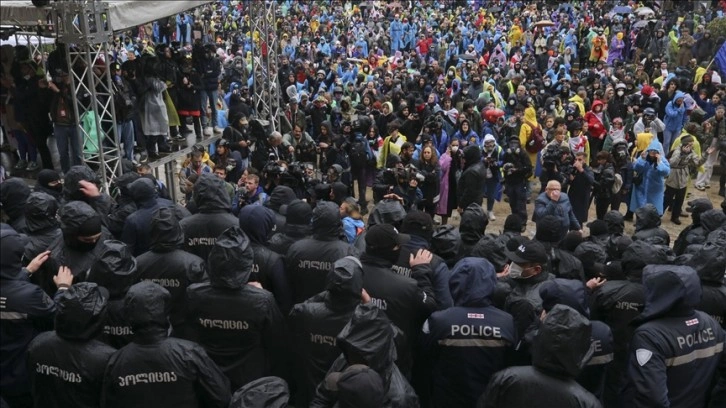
(621, 93)
(515, 271)
(454, 149)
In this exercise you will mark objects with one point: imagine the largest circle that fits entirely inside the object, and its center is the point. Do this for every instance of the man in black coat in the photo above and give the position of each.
(308, 261)
(14, 192)
(67, 364)
(41, 210)
(202, 229)
(157, 371)
(238, 324)
(470, 189)
(167, 265)
(298, 217)
(315, 323)
(517, 169)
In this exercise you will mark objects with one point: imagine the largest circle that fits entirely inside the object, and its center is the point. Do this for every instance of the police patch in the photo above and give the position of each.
(643, 356)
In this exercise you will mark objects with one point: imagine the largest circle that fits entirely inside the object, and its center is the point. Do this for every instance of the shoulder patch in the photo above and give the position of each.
(475, 315)
(691, 322)
(643, 356)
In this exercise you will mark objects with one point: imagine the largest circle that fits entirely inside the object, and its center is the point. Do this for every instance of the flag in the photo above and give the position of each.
(721, 59)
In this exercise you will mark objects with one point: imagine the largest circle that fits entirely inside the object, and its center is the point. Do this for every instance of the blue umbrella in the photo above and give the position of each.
(621, 10)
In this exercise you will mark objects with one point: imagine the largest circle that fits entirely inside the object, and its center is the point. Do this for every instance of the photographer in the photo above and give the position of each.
(493, 155)
(250, 193)
(238, 136)
(228, 159)
(517, 169)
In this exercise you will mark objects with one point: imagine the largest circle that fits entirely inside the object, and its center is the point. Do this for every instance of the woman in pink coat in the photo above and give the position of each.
(450, 163)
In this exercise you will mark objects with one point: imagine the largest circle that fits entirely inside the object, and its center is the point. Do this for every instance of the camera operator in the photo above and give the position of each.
(238, 136)
(228, 159)
(552, 159)
(517, 168)
(250, 193)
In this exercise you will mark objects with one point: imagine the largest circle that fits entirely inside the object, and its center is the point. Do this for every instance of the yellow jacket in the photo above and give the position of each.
(530, 119)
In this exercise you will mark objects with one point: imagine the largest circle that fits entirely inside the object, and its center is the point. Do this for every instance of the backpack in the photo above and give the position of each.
(358, 154)
(617, 184)
(536, 141)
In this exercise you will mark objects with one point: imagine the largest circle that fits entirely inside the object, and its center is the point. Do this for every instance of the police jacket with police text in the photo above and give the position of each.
(239, 325)
(676, 352)
(467, 343)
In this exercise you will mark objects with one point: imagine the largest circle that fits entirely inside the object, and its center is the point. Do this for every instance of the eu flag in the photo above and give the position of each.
(721, 59)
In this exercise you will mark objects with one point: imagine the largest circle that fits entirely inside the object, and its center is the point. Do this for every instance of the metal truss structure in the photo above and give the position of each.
(85, 32)
(266, 87)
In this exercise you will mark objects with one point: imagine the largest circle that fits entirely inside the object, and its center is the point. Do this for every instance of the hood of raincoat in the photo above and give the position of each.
(71, 186)
(562, 344)
(257, 222)
(615, 222)
(147, 306)
(281, 195)
(14, 192)
(230, 261)
(345, 282)
(340, 192)
(387, 212)
(210, 194)
(568, 292)
(265, 392)
(326, 221)
(473, 223)
(641, 253)
(123, 182)
(472, 155)
(698, 207)
(166, 233)
(712, 220)
(81, 311)
(79, 219)
(40, 212)
(115, 268)
(647, 217)
(446, 241)
(369, 339)
(709, 262)
(12, 246)
(143, 192)
(530, 115)
(472, 282)
(669, 290)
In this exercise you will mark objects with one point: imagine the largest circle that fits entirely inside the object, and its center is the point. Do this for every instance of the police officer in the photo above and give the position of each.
(309, 260)
(67, 365)
(167, 265)
(238, 324)
(157, 371)
(315, 323)
(676, 352)
(212, 202)
(467, 343)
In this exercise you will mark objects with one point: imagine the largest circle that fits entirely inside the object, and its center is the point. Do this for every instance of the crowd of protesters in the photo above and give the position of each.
(265, 287)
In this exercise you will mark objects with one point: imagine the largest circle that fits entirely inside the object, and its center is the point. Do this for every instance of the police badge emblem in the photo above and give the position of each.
(643, 356)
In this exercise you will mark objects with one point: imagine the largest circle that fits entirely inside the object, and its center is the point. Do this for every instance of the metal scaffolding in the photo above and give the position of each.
(85, 32)
(266, 87)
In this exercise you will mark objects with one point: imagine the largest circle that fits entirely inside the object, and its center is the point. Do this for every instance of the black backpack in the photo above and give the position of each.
(358, 154)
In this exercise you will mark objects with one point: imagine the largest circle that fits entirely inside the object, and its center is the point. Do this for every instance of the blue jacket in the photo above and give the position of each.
(652, 188)
(352, 228)
(675, 115)
(441, 273)
(561, 209)
(466, 344)
(137, 228)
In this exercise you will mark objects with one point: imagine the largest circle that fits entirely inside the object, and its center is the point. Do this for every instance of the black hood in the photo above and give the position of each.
(230, 261)
(265, 392)
(369, 339)
(446, 241)
(615, 222)
(710, 262)
(210, 194)
(473, 224)
(591, 252)
(143, 192)
(326, 221)
(257, 222)
(646, 218)
(562, 344)
(14, 192)
(712, 220)
(669, 290)
(122, 182)
(472, 282)
(340, 192)
(71, 188)
(12, 246)
(166, 233)
(493, 249)
(81, 311)
(472, 155)
(147, 306)
(698, 207)
(45, 177)
(74, 214)
(641, 253)
(387, 212)
(568, 292)
(115, 268)
(345, 283)
(41, 212)
(281, 195)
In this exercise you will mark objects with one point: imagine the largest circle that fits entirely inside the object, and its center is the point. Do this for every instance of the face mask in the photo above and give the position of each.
(454, 149)
(26, 77)
(390, 255)
(489, 148)
(552, 107)
(73, 243)
(515, 271)
(542, 91)
(621, 93)
(548, 83)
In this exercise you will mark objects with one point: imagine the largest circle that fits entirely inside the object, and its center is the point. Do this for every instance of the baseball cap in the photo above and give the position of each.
(384, 236)
(521, 251)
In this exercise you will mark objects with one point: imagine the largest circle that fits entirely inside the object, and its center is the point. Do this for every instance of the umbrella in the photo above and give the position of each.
(468, 57)
(642, 23)
(544, 23)
(621, 10)
(644, 11)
